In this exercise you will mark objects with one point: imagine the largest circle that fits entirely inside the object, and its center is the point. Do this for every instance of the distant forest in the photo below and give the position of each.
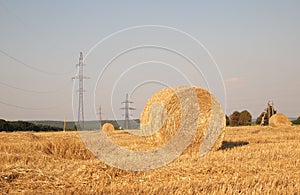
(11, 126)
(91, 125)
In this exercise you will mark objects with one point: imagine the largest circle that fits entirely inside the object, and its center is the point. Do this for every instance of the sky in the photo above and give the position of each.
(244, 52)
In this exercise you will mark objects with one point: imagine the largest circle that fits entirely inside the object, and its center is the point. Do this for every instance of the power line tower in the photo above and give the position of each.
(80, 77)
(126, 108)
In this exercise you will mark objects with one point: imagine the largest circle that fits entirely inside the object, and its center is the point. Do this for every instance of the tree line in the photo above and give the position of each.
(239, 118)
(11, 126)
(245, 118)
(235, 119)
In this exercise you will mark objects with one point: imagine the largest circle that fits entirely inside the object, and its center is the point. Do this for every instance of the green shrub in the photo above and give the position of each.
(297, 121)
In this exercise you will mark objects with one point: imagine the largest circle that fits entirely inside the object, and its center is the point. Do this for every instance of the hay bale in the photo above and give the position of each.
(180, 120)
(108, 128)
(184, 111)
(279, 120)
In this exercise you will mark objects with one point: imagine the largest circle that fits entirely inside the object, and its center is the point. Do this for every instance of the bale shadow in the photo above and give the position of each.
(228, 144)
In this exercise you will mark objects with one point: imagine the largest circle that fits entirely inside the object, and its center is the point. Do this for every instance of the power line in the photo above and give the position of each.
(25, 108)
(20, 20)
(33, 67)
(31, 91)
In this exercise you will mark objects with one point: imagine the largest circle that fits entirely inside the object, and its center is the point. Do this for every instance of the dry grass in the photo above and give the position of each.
(260, 160)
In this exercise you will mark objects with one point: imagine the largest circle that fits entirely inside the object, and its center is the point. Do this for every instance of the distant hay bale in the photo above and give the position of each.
(279, 120)
(172, 109)
(108, 128)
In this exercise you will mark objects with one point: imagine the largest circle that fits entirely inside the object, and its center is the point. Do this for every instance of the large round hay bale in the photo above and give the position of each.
(108, 128)
(279, 120)
(182, 111)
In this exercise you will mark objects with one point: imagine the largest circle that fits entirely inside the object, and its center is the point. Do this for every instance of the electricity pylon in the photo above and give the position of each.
(80, 77)
(127, 108)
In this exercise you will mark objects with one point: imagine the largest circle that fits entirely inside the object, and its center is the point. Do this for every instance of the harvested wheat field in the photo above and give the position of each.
(261, 160)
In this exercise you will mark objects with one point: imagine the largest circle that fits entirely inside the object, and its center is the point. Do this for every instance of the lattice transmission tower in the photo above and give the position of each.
(80, 77)
(127, 108)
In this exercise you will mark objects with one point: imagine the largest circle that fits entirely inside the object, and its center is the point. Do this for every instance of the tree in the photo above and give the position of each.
(234, 118)
(227, 120)
(262, 116)
(4, 126)
(245, 118)
(297, 121)
(259, 118)
(266, 115)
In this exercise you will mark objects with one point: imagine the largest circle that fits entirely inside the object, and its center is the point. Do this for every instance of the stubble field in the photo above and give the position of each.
(259, 160)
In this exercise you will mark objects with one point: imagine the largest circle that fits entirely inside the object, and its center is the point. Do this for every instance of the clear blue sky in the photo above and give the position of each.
(256, 45)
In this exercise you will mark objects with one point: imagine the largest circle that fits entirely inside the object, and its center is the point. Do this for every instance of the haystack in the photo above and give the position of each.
(179, 120)
(108, 128)
(184, 116)
(279, 120)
